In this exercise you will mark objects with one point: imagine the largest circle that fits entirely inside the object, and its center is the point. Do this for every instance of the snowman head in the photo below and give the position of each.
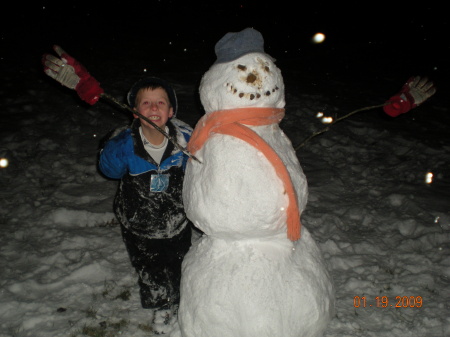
(243, 75)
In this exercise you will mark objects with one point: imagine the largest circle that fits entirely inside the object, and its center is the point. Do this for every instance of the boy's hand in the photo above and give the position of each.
(70, 73)
(413, 93)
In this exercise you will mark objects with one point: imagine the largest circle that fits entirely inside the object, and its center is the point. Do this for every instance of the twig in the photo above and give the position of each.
(334, 122)
(169, 137)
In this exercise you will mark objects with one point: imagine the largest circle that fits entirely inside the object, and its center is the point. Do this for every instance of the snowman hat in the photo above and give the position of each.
(152, 82)
(234, 45)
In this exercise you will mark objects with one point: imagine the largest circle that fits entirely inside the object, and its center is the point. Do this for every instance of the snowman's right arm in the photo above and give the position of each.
(72, 74)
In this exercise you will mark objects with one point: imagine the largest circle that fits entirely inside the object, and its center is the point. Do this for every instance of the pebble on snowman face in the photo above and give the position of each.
(251, 80)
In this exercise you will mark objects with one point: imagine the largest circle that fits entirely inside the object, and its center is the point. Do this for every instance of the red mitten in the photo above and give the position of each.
(70, 73)
(413, 93)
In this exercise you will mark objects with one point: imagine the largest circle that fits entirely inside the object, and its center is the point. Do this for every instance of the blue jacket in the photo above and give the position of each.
(149, 198)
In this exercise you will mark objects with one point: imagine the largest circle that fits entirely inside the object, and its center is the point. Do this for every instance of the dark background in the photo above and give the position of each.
(367, 43)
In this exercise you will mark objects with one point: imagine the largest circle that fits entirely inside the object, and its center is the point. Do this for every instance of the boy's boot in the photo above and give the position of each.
(163, 320)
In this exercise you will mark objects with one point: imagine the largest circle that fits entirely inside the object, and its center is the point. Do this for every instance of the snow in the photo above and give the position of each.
(383, 231)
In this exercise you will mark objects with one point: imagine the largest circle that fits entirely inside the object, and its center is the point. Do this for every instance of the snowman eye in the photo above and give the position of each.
(266, 68)
(242, 67)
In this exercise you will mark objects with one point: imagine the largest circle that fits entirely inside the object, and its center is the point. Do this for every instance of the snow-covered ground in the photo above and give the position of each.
(383, 228)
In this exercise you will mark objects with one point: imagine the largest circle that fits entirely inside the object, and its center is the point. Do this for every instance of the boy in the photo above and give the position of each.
(148, 203)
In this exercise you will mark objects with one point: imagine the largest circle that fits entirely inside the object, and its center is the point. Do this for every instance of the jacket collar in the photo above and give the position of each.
(139, 149)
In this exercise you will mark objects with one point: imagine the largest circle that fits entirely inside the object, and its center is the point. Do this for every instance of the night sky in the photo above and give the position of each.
(362, 38)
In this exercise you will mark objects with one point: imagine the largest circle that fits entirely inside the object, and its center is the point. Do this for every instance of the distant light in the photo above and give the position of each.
(145, 70)
(327, 120)
(429, 178)
(4, 162)
(319, 114)
(318, 38)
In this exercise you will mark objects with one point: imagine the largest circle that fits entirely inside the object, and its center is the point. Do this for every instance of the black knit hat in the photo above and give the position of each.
(152, 81)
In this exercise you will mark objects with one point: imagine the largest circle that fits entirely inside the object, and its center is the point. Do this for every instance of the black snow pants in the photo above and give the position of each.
(158, 265)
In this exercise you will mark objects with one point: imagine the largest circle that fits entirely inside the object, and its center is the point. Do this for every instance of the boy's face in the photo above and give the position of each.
(155, 105)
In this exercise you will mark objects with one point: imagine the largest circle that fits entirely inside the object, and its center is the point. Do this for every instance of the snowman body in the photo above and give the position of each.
(244, 277)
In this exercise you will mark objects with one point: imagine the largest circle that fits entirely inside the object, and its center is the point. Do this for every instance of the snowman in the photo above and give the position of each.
(256, 271)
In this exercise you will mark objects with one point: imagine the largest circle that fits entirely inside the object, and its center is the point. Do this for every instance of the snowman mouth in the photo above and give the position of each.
(250, 95)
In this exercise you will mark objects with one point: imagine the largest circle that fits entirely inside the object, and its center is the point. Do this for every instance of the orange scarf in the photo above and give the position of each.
(230, 122)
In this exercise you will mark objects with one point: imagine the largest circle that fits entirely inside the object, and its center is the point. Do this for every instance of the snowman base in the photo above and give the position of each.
(255, 288)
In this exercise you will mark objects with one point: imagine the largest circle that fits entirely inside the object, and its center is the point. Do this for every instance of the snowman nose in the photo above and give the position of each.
(251, 78)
